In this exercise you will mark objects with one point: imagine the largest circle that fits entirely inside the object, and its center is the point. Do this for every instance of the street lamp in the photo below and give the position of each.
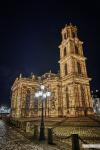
(42, 94)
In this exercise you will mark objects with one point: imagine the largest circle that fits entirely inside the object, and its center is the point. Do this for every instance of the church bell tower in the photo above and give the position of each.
(76, 97)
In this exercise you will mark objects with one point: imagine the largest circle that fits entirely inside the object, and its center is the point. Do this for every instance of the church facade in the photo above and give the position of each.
(70, 88)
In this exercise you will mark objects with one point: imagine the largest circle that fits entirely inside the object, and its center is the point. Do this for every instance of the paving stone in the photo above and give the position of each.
(10, 139)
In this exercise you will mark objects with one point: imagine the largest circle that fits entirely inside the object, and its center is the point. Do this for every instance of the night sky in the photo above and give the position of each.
(30, 36)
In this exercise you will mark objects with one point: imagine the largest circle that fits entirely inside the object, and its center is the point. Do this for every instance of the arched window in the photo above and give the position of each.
(82, 95)
(79, 67)
(76, 50)
(67, 97)
(83, 98)
(27, 104)
(35, 105)
(65, 51)
(65, 68)
(68, 33)
(65, 37)
(73, 34)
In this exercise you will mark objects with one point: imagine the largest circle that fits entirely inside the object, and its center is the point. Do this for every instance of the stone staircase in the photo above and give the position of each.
(82, 121)
(88, 121)
(88, 128)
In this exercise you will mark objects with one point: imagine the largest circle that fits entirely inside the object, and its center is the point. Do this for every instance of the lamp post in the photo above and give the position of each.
(42, 94)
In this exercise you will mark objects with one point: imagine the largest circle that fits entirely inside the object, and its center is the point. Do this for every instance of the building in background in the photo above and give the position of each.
(96, 101)
(4, 111)
(70, 88)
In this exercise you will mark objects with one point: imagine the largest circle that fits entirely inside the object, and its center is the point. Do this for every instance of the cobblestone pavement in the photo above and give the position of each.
(10, 139)
(81, 131)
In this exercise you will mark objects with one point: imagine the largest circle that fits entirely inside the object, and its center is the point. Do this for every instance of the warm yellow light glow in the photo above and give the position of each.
(69, 93)
(42, 87)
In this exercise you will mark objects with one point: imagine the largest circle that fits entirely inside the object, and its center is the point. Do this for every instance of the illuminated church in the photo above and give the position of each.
(70, 88)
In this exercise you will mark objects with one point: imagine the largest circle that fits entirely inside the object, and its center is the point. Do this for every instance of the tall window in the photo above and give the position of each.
(82, 96)
(65, 51)
(79, 67)
(35, 105)
(67, 97)
(68, 33)
(76, 50)
(27, 104)
(65, 37)
(65, 68)
(73, 34)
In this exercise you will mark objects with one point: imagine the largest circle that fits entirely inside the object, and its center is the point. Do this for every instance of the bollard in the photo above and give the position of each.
(35, 131)
(75, 142)
(27, 127)
(50, 136)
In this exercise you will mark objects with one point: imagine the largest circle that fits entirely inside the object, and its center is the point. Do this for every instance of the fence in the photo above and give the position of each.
(72, 142)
